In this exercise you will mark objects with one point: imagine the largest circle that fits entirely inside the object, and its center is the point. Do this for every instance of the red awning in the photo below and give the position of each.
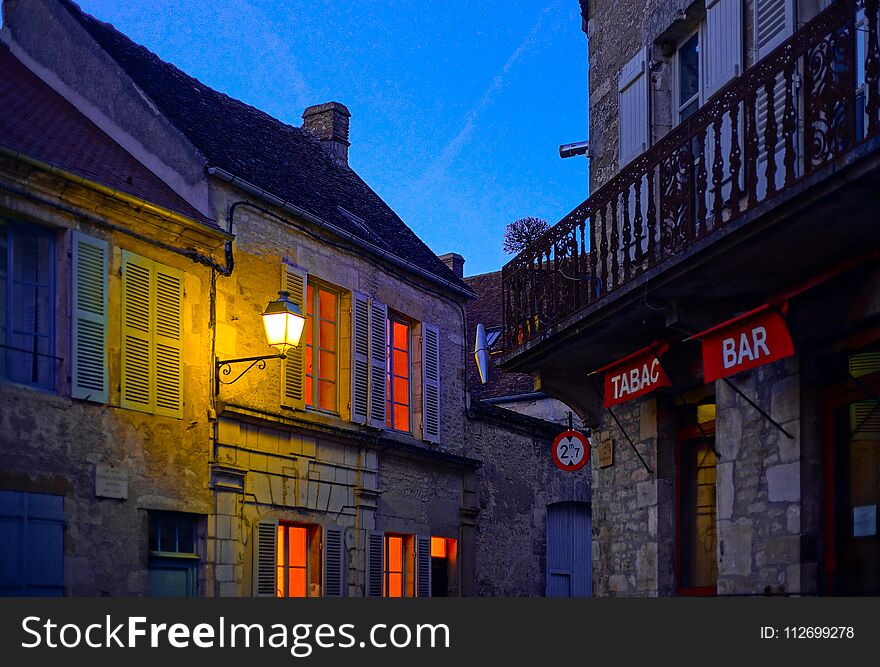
(635, 375)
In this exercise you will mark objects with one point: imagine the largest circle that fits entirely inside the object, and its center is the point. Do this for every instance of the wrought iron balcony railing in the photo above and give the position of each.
(812, 100)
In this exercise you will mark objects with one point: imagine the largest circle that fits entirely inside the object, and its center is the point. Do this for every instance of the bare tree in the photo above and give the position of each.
(520, 233)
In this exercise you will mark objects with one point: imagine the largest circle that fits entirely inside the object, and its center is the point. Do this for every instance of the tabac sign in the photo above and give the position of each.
(748, 341)
(636, 375)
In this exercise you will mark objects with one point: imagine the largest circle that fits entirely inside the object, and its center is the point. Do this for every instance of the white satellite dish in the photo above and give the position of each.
(481, 354)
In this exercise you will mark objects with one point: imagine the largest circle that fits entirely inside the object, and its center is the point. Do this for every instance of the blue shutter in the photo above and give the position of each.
(31, 544)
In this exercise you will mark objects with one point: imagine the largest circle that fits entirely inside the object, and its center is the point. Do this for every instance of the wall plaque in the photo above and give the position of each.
(110, 482)
(606, 453)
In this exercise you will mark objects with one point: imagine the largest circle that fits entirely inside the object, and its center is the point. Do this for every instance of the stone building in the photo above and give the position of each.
(153, 442)
(711, 309)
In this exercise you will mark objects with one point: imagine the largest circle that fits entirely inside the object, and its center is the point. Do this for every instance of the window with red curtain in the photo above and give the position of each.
(322, 308)
(398, 335)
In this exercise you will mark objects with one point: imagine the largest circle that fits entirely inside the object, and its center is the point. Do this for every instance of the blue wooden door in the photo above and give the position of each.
(31, 544)
(569, 550)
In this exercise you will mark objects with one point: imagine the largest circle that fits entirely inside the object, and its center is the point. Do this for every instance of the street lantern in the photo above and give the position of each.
(284, 321)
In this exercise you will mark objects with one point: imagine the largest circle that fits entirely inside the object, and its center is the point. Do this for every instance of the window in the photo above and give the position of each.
(298, 569)
(27, 305)
(322, 308)
(397, 335)
(152, 308)
(687, 70)
(443, 562)
(394, 579)
(173, 561)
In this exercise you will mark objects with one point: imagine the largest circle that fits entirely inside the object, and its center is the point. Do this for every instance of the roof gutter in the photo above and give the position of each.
(136, 202)
(391, 258)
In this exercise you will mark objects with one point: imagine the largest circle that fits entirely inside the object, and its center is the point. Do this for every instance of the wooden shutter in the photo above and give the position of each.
(375, 564)
(89, 319)
(633, 121)
(774, 22)
(431, 380)
(423, 566)
(722, 44)
(265, 537)
(138, 368)
(378, 363)
(864, 415)
(334, 563)
(293, 385)
(167, 340)
(360, 357)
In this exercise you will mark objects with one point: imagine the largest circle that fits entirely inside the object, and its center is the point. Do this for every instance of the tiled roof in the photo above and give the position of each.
(487, 310)
(286, 161)
(38, 122)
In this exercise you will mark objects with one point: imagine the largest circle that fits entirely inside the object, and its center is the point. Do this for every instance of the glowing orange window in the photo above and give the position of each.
(292, 562)
(394, 571)
(397, 334)
(321, 337)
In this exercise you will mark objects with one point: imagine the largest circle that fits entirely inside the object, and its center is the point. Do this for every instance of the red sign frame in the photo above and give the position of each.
(635, 375)
(584, 440)
(751, 340)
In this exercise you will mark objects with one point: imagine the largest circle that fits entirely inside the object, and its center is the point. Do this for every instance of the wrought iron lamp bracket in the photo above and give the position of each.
(223, 367)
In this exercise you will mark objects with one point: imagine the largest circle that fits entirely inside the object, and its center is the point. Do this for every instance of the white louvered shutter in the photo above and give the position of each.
(334, 563)
(375, 564)
(774, 22)
(293, 385)
(431, 380)
(138, 367)
(265, 573)
(722, 51)
(167, 340)
(633, 122)
(378, 363)
(89, 319)
(360, 357)
(423, 566)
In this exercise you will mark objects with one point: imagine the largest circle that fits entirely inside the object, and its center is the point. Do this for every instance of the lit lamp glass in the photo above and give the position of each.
(284, 322)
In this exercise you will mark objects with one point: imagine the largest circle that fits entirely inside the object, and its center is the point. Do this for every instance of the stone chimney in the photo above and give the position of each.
(455, 262)
(329, 123)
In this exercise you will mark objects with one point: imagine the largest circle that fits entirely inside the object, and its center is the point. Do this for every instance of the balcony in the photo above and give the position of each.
(764, 154)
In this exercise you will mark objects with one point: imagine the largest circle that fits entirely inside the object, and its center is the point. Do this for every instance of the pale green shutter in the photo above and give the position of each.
(334, 563)
(378, 363)
(138, 367)
(88, 375)
(167, 340)
(265, 576)
(423, 566)
(293, 392)
(360, 357)
(431, 380)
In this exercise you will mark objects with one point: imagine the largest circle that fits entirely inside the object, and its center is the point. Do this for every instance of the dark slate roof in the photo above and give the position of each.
(37, 122)
(515, 421)
(487, 310)
(284, 160)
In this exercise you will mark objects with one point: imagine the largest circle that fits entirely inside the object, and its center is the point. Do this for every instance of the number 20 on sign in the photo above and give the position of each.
(571, 450)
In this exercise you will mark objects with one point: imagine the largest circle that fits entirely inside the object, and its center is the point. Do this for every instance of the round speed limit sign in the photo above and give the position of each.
(571, 450)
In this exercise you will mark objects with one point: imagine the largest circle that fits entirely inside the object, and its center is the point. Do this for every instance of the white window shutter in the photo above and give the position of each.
(375, 564)
(378, 363)
(722, 51)
(423, 566)
(265, 573)
(168, 340)
(633, 108)
(89, 319)
(774, 23)
(138, 365)
(334, 563)
(293, 385)
(360, 357)
(431, 380)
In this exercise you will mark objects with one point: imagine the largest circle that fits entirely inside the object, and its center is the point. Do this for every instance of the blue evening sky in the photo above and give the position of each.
(458, 108)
